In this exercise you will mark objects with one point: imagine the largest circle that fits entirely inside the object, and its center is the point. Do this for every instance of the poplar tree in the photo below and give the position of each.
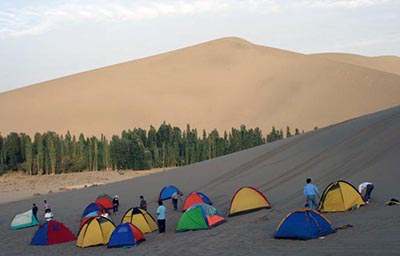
(28, 155)
(12, 151)
(51, 152)
(38, 150)
(288, 133)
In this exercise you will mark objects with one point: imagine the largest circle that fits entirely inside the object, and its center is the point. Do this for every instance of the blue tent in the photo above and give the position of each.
(205, 198)
(92, 207)
(167, 192)
(125, 234)
(52, 232)
(304, 224)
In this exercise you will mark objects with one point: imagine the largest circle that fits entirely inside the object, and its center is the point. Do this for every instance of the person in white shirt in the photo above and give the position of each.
(365, 190)
(48, 216)
(175, 196)
(161, 210)
(105, 214)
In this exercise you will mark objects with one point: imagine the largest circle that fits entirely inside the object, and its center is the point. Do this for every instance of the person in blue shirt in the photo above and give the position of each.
(161, 217)
(311, 192)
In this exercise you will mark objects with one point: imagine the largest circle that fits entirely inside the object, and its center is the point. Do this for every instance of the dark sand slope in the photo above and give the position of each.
(365, 148)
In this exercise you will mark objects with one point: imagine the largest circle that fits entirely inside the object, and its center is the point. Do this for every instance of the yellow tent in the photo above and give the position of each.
(340, 196)
(247, 199)
(141, 219)
(95, 231)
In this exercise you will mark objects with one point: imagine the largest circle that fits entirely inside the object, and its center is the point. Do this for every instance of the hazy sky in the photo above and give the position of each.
(45, 39)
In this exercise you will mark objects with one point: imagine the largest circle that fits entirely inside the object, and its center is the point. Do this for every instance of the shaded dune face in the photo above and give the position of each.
(218, 84)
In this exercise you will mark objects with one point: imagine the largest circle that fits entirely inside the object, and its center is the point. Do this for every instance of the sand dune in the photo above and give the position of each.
(365, 148)
(390, 64)
(218, 84)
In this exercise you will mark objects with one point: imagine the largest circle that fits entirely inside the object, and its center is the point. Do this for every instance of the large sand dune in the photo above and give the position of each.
(390, 64)
(218, 84)
(357, 150)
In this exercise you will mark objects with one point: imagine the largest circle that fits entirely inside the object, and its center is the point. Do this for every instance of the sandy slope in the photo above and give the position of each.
(218, 84)
(17, 186)
(365, 148)
(390, 64)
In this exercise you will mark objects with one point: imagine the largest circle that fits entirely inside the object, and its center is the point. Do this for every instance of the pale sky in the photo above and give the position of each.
(46, 39)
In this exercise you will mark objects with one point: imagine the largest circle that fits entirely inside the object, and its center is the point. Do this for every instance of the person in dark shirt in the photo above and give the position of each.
(143, 203)
(35, 210)
(115, 202)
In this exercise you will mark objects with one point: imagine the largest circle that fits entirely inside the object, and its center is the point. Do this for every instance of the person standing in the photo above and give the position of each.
(161, 217)
(143, 203)
(311, 192)
(34, 211)
(115, 202)
(46, 206)
(365, 190)
(175, 196)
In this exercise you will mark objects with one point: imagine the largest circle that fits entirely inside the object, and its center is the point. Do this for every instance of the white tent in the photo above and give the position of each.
(24, 220)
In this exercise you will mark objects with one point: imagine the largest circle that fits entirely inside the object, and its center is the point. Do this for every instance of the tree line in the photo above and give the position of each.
(137, 149)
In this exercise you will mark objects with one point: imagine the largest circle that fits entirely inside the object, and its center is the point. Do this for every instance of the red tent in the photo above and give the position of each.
(52, 232)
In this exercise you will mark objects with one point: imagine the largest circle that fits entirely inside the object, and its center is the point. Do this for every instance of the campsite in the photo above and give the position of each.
(199, 127)
(362, 148)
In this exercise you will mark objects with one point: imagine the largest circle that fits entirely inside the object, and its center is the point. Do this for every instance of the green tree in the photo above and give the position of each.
(51, 156)
(2, 155)
(13, 153)
(38, 150)
(28, 154)
(288, 133)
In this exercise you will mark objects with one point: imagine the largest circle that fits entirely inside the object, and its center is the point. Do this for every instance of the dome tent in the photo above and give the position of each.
(93, 207)
(52, 232)
(195, 198)
(125, 234)
(24, 220)
(141, 219)
(96, 231)
(340, 196)
(247, 199)
(167, 192)
(105, 200)
(199, 216)
(303, 224)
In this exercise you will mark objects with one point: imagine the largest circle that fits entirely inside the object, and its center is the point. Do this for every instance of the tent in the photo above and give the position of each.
(126, 234)
(167, 192)
(247, 199)
(93, 207)
(105, 200)
(52, 232)
(199, 216)
(340, 196)
(24, 220)
(90, 216)
(195, 198)
(141, 219)
(305, 223)
(95, 231)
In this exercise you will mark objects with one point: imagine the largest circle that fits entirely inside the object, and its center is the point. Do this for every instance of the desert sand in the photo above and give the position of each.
(390, 64)
(214, 85)
(17, 186)
(357, 150)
